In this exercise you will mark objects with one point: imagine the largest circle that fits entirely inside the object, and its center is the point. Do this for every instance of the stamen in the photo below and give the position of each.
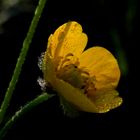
(68, 60)
(68, 70)
(69, 54)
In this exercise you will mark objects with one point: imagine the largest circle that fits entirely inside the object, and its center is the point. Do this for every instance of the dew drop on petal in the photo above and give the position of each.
(40, 60)
(42, 83)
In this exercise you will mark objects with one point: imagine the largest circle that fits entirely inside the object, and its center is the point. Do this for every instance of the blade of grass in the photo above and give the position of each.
(21, 58)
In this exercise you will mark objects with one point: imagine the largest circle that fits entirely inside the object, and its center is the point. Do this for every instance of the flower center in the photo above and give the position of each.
(68, 70)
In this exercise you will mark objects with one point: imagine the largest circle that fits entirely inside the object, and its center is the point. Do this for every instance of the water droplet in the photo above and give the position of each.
(42, 83)
(40, 60)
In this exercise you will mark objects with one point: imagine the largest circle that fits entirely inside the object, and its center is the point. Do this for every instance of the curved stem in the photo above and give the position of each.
(21, 58)
(41, 98)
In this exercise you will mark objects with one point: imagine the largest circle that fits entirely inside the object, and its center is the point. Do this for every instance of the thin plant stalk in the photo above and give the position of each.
(21, 58)
(41, 98)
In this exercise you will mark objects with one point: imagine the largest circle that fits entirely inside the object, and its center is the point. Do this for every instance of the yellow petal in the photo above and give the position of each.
(106, 100)
(103, 65)
(74, 96)
(68, 38)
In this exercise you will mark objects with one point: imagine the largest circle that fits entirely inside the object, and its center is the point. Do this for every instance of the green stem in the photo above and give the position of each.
(21, 58)
(120, 52)
(41, 98)
(130, 15)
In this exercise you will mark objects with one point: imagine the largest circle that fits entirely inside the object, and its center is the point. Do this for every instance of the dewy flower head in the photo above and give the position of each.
(86, 79)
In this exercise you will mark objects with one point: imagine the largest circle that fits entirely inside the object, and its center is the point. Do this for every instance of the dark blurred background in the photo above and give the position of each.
(111, 24)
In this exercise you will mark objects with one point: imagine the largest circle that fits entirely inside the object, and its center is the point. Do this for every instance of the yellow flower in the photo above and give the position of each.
(86, 79)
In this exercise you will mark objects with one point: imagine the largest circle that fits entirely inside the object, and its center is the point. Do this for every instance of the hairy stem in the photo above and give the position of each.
(41, 98)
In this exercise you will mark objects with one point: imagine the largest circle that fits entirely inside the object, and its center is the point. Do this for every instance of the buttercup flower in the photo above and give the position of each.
(86, 79)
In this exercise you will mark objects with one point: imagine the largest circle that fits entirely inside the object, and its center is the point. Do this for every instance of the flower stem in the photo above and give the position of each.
(21, 58)
(41, 98)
